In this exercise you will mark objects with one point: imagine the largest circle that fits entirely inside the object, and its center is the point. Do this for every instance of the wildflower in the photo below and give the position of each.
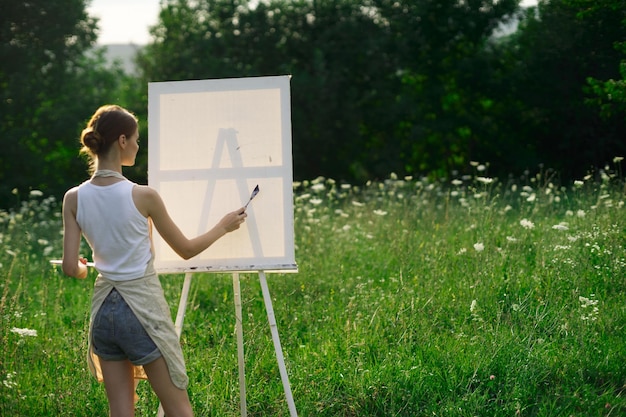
(461, 251)
(618, 159)
(580, 213)
(380, 212)
(527, 224)
(316, 201)
(318, 187)
(24, 332)
(473, 306)
(578, 183)
(36, 193)
(479, 247)
(9, 382)
(560, 226)
(358, 204)
(531, 198)
(511, 239)
(457, 182)
(586, 302)
(481, 168)
(484, 180)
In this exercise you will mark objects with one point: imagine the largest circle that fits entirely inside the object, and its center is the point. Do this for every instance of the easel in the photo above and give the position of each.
(180, 317)
(268, 152)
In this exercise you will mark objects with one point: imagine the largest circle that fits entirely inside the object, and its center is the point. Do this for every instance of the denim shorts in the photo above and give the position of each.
(118, 335)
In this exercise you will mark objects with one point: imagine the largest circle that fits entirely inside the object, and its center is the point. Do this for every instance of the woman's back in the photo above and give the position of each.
(116, 231)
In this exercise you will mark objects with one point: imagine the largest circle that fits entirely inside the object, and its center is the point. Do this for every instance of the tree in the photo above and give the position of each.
(377, 86)
(49, 86)
(558, 47)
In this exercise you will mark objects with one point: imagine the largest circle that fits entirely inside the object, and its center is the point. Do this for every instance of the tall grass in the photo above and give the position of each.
(469, 296)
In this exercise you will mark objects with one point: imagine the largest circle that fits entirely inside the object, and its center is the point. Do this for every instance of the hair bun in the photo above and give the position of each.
(92, 140)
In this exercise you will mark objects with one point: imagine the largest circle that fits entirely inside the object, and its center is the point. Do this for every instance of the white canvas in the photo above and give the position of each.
(210, 143)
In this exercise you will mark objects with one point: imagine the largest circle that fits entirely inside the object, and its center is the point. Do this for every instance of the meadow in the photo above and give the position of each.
(465, 296)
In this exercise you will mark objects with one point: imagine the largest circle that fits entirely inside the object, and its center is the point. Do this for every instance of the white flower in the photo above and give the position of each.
(358, 204)
(580, 213)
(24, 332)
(531, 198)
(36, 193)
(484, 180)
(578, 183)
(315, 201)
(560, 226)
(618, 159)
(9, 382)
(457, 182)
(527, 224)
(318, 187)
(473, 306)
(380, 212)
(511, 239)
(586, 302)
(479, 247)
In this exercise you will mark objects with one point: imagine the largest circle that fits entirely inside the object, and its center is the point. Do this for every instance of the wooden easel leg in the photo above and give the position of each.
(240, 356)
(180, 317)
(277, 346)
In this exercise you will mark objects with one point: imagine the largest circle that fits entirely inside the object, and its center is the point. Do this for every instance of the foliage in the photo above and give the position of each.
(610, 95)
(559, 46)
(50, 83)
(415, 296)
(384, 86)
(414, 87)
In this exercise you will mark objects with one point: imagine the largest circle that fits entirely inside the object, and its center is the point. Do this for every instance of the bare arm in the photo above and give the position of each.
(150, 204)
(72, 265)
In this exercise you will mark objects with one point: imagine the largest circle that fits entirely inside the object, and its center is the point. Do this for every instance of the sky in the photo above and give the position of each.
(127, 21)
(124, 21)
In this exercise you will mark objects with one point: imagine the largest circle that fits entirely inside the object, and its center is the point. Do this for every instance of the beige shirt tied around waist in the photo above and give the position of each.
(146, 299)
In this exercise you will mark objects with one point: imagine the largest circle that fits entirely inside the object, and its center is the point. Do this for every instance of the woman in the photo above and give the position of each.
(131, 333)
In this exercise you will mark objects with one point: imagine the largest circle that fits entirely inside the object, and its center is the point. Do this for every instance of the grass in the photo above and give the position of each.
(461, 297)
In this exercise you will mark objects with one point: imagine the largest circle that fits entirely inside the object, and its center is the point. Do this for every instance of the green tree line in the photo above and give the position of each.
(416, 87)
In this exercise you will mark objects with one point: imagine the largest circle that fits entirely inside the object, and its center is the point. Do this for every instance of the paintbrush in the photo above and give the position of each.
(254, 193)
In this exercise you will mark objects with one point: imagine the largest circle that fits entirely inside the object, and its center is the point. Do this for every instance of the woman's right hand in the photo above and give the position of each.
(233, 220)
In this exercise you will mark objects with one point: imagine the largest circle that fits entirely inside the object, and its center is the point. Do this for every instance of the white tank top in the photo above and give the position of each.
(116, 231)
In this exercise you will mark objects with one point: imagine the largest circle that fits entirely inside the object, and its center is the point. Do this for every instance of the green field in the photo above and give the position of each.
(470, 296)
